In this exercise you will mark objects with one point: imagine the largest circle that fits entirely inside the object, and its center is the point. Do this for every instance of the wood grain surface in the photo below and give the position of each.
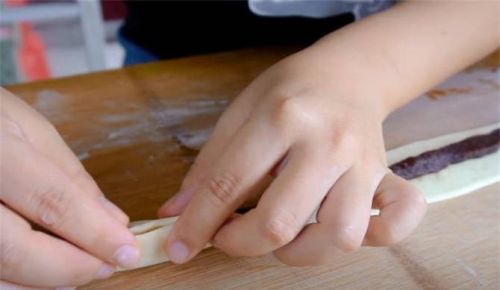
(124, 126)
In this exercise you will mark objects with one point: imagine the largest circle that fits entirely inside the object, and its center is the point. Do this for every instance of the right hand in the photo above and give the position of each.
(43, 182)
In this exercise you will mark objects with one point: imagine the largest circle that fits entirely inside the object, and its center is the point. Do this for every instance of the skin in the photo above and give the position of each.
(317, 116)
(43, 182)
(306, 133)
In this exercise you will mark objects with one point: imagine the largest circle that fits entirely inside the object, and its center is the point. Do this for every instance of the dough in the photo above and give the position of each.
(457, 179)
(453, 181)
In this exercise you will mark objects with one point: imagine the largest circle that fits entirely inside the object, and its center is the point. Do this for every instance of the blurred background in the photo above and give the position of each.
(41, 39)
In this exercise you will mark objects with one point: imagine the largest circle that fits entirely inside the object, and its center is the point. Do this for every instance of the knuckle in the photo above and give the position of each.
(288, 107)
(344, 137)
(281, 229)
(348, 239)
(51, 207)
(224, 188)
(289, 113)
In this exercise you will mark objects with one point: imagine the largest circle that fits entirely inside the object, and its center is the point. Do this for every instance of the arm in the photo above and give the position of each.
(308, 133)
(412, 47)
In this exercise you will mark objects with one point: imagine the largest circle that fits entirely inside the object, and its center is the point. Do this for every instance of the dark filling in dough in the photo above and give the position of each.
(435, 160)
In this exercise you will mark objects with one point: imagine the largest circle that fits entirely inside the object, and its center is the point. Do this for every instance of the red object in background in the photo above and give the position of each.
(112, 10)
(31, 55)
(15, 3)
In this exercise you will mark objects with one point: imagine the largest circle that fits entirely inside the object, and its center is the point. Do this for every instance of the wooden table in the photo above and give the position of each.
(123, 126)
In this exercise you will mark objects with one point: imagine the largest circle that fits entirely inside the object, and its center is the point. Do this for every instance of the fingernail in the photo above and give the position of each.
(178, 252)
(126, 256)
(105, 271)
(66, 288)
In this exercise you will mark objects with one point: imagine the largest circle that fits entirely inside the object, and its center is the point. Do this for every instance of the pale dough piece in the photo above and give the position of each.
(419, 147)
(460, 178)
(151, 240)
(150, 235)
(453, 181)
(456, 179)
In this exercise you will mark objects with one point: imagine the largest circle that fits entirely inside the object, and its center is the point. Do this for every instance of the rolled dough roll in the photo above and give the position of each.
(453, 181)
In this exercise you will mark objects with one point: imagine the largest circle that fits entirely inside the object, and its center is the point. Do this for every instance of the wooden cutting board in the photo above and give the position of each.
(123, 125)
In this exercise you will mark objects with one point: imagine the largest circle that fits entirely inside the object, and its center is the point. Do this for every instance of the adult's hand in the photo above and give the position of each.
(43, 182)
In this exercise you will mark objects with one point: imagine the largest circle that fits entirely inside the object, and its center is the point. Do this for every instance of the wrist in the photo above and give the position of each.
(342, 75)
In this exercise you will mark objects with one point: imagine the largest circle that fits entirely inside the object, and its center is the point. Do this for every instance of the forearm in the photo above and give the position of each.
(406, 50)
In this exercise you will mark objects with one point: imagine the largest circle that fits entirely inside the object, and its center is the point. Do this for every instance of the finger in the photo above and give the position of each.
(4, 285)
(45, 138)
(227, 126)
(51, 200)
(341, 222)
(402, 208)
(284, 208)
(250, 202)
(36, 259)
(232, 179)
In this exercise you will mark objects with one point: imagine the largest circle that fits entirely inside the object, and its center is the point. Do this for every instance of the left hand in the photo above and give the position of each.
(322, 139)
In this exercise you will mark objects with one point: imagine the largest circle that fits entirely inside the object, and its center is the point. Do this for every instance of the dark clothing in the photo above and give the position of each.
(170, 29)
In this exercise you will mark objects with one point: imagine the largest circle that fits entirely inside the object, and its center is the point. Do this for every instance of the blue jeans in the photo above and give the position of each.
(134, 54)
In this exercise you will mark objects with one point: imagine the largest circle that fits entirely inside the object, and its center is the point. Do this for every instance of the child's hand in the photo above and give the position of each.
(318, 130)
